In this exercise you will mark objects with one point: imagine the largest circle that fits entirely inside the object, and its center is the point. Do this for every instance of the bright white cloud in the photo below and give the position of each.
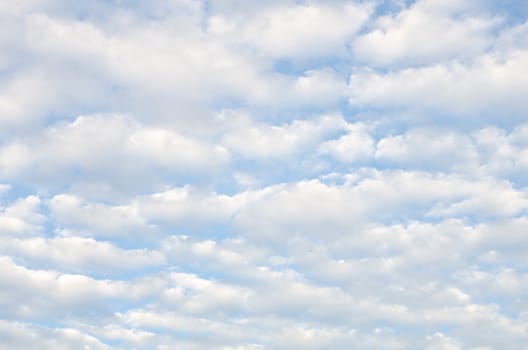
(24, 337)
(357, 144)
(90, 147)
(488, 89)
(22, 217)
(428, 31)
(263, 175)
(304, 30)
(78, 254)
(282, 140)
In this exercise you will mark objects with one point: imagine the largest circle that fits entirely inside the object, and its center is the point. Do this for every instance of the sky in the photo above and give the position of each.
(243, 175)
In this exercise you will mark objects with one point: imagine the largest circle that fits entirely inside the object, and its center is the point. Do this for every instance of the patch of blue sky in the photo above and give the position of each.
(514, 11)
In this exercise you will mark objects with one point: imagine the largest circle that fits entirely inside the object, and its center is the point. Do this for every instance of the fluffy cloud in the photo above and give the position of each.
(24, 337)
(356, 144)
(304, 31)
(80, 255)
(88, 148)
(405, 38)
(61, 293)
(490, 88)
(281, 140)
(333, 210)
(22, 217)
(263, 175)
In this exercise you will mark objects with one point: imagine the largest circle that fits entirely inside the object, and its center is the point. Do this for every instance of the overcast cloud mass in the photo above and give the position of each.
(236, 175)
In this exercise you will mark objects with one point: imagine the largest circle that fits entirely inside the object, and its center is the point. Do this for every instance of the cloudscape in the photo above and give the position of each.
(243, 175)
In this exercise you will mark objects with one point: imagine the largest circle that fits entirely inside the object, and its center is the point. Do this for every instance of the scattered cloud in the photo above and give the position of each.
(263, 175)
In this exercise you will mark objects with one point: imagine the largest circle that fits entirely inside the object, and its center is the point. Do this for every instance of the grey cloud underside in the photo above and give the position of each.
(263, 175)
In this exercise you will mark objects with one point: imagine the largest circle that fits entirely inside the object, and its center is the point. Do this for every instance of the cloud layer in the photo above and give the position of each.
(263, 175)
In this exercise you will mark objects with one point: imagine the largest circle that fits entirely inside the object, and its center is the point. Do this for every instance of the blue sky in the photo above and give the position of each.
(230, 175)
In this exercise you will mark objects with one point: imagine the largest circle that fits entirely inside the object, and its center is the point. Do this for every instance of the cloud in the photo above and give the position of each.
(488, 151)
(357, 144)
(427, 148)
(22, 217)
(263, 175)
(304, 30)
(460, 30)
(81, 255)
(266, 141)
(90, 146)
(61, 293)
(488, 89)
(69, 210)
(335, 210)
(24, 337)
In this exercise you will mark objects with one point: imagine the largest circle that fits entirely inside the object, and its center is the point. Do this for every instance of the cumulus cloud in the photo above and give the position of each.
(334, 210)
(406, 38)
(23, 336)
(77, 254)
(86, 150)
(22, 217)
(356, 144)
(488, 87)
(263, 175)
(257, 141)
(304, 31)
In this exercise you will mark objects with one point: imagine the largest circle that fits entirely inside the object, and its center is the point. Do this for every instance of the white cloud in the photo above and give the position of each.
(406, 38)
(189, 175)
(76, 254)
(25, 337)
(268, 141)
(187, 207)
(22, 217)
(170, 149)
(501, 153)
(428, 148)
(60, 293)
(357, 144)
(91, 146)
(336, 210)
(307, 30)
(488, 89)
(22, 97)
(488, 151)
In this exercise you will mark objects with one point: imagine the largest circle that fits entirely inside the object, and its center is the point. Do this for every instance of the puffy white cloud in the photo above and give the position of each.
(427, 148)
(304, 30)
(188, 207)
(357, 144)
(89, 148)
(263, 175)
(501, 152)
(297, 31)
(281, 140)
(60, 293)
(489, 151)
(99, 219)
(488, 89)
(76, 254)
(25, 337)
(170, 149)
(22, 217)
(334, 210)
(141, 65)
(426, 32)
